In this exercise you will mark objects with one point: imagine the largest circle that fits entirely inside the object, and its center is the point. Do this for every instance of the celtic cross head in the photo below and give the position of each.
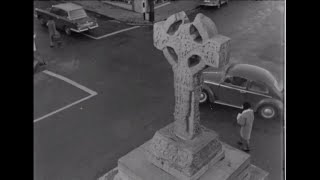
(192, 44)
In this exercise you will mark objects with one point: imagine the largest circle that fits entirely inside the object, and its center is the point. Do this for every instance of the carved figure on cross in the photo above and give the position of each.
(190, 47)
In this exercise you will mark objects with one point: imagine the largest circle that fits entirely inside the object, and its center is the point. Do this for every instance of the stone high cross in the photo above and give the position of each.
(184, 149)
(190, 47)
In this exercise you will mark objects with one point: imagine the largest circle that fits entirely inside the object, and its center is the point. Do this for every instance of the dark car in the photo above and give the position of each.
(243, 83)
(68, 17)
(217, 3)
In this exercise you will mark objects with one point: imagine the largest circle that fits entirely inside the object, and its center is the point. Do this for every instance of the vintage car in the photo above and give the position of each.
(213, 2)
(243, 83)
(68, 17)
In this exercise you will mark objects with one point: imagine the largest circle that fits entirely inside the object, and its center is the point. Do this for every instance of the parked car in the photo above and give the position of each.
(68, 17)
(241, 83)
(217, 3)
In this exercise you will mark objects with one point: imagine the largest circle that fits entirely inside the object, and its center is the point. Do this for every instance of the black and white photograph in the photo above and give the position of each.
(159, 90)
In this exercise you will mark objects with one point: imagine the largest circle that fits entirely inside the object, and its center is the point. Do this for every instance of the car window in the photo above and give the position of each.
(258, 87)
(236, 81)
(78, 14)
(228, 80)
(54, 10)
(62, 13)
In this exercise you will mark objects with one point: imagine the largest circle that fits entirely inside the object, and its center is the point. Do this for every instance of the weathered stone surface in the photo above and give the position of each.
(189, 48)
(254, 172)
(184, 159)
(234, 166)
(184, 148)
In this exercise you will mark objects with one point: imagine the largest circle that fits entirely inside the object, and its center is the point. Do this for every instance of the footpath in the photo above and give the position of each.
(134, 18)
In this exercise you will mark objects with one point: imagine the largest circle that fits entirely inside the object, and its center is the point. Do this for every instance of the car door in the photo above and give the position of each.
(257, 91)
(61, 17)
(54, 13)
(232, 91)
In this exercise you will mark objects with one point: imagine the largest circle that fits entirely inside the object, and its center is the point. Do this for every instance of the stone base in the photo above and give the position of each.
(184, 159)
(234, 166)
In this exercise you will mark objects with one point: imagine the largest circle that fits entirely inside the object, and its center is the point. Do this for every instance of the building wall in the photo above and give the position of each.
(121, 4)
(137, 6)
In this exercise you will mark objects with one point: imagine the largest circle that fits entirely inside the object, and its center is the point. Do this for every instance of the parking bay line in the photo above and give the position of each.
(91, 92)
(111, 34)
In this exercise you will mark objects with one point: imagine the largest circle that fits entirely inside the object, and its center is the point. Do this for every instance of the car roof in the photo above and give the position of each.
(67, 6)
(253, 73)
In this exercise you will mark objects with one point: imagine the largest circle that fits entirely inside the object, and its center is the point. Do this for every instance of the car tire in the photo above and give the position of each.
(204, 97)
(268, 111)
(67, 30)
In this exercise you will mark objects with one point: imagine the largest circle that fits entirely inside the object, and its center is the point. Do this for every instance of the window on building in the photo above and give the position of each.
(131, 1)
(124, 1)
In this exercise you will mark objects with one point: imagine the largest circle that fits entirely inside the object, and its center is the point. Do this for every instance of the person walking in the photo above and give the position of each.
(34, 43)
(245, 120)
(38, 61)
(54, 35)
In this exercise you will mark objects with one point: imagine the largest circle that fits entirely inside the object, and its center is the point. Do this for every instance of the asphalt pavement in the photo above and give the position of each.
(134, 86)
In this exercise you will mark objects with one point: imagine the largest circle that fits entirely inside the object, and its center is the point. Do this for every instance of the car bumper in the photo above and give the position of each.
(209, 3)
(84, 29)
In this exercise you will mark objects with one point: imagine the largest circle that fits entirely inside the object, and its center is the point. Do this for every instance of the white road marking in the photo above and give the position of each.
(111, 34)
(167, 3)
(91, 92)
(63, 108)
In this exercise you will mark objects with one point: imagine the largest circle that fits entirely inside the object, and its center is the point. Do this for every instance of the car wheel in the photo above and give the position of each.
(268, 111)
(67, 30)
(203, 97)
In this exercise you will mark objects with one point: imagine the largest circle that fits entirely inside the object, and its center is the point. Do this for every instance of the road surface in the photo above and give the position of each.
(134, 86)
